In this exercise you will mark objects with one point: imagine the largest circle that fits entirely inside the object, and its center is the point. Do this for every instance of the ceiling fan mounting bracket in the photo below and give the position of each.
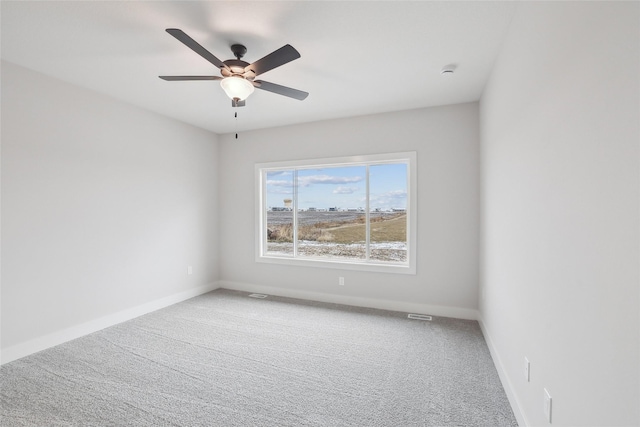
(238, 50)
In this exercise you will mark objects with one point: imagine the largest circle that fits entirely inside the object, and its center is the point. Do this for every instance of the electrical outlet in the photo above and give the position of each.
(547, 405)
(341, 281)
(189, 270)
(527, 370)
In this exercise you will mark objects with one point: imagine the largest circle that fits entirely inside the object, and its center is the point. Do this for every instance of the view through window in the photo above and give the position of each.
(356, 212)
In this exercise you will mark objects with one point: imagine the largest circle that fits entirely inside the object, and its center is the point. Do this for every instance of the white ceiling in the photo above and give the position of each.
(357, 57)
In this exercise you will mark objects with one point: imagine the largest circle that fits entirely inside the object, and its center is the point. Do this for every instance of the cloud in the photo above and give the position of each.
(279, 182)
(395, 194)
(395, 199)
(281, 190)
(305, 181)
(345, 190)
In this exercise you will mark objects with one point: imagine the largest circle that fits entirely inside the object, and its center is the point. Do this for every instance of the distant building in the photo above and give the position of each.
(287, 203)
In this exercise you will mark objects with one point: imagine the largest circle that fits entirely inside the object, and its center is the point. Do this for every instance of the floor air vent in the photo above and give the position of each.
(258, 296)
(419, 316)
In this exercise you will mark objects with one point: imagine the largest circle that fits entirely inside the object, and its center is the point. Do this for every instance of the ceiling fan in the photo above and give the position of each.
(238, 76)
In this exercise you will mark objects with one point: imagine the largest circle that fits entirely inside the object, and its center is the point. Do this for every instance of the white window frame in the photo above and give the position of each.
(409, 267)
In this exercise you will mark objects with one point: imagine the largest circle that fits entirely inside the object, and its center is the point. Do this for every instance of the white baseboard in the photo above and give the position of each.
(504, 377)
(435, 310)
(50, 340)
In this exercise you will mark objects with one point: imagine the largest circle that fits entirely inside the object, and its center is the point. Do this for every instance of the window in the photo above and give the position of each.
(354, 213)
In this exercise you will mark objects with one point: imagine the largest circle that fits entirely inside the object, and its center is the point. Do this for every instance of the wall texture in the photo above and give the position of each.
(560, 211)
(104, 206)
(446, 142)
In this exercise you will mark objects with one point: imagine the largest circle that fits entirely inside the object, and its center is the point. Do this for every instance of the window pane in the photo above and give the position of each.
(388, 212)
(331, 213)
(279, 205)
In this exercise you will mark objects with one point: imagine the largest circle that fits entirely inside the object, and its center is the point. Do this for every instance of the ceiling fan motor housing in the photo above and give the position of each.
(237, 67)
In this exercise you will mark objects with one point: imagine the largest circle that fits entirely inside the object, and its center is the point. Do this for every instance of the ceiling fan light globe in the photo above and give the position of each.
(237, 87)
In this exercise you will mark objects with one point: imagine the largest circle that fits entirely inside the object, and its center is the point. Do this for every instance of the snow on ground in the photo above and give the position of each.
(380, 251)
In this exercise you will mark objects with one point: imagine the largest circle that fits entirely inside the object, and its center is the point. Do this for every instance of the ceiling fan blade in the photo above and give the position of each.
(281, 90)
(193, 45)
(275, 59)
(179, 78)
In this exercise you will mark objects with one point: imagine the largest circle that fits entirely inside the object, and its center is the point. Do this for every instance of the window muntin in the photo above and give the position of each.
(356, 213)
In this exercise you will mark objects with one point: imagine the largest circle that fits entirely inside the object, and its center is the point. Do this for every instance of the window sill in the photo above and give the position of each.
(338, 264)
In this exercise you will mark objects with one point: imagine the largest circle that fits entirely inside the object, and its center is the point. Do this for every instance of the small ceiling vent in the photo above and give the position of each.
(258, 296)
(419, 316)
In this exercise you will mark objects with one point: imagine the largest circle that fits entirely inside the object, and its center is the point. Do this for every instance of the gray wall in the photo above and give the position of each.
(446, 142)
(560, 211)
(103, 206)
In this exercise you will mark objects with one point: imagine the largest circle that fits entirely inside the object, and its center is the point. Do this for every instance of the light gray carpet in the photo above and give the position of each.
(224, 359)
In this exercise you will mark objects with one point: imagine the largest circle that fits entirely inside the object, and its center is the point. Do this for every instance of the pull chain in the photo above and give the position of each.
(236, 116)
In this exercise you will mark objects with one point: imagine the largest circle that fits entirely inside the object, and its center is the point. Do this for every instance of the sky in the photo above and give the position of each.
(341, 187)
